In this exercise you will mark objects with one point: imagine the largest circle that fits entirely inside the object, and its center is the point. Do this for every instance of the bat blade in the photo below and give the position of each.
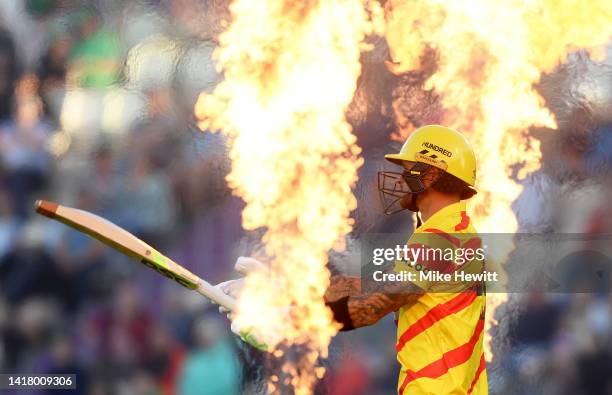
(125, 242)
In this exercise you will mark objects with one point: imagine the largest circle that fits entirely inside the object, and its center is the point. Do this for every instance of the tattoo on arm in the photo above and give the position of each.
(368, 309)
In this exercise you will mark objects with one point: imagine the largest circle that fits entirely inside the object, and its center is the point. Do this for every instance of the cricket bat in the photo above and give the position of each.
(125, 242)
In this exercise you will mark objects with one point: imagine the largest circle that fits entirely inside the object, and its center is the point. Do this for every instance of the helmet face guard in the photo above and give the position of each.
(394, 186)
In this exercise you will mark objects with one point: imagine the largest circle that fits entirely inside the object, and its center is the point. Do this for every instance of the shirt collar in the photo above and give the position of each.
(444, 212)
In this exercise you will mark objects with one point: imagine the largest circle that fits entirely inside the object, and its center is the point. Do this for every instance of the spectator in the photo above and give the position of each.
(52, 74)
(122, 331)
(96, 57)
(166, 359)
(350, 377)
(26, 339)
(23, 145)
(28, 269)
(211, 368)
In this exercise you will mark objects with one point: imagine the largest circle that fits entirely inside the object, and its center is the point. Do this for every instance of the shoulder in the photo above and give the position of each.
(455, 219)
(453, 229)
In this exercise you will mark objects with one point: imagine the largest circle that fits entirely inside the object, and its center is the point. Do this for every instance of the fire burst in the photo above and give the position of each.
(290, 71)
(490, 55)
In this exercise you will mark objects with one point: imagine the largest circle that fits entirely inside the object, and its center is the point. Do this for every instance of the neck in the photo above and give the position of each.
(431, 205)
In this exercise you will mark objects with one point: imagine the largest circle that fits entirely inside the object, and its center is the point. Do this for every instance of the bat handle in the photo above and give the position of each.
(216, 295)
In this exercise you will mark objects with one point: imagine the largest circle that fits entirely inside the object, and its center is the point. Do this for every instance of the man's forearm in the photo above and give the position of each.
(366, 309)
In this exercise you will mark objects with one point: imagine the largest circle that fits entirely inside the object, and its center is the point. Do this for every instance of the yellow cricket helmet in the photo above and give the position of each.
(442, 147)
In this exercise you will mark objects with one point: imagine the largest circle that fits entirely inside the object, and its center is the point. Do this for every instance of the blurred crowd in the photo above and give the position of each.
(96, 110)
(67, 303)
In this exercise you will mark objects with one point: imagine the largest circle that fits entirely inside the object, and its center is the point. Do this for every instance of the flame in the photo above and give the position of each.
(290, 72)
(490, 55)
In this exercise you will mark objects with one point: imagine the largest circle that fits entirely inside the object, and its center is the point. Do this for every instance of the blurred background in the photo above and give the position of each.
(96, 112)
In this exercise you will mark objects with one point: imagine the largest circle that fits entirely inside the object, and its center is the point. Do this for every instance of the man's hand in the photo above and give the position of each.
(233, 288)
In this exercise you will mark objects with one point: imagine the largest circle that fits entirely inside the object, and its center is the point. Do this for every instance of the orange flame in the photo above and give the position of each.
(290, 72)
(490, 55)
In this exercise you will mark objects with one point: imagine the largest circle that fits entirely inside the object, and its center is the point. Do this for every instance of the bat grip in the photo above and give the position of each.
(216, 295)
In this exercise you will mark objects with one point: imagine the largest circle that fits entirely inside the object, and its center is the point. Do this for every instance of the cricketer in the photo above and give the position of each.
(439, 334)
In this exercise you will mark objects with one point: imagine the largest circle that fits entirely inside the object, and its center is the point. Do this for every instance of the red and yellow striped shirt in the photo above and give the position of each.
(440, 335)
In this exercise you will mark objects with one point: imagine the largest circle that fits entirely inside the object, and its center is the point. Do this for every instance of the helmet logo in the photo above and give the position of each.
(437, 148)
(431, 159)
